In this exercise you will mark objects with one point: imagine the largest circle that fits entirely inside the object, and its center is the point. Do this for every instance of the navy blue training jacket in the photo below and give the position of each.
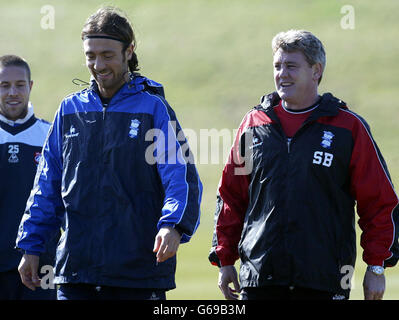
(117, 174)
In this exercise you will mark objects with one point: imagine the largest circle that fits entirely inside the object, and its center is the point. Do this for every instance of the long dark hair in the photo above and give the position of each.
(113, 22)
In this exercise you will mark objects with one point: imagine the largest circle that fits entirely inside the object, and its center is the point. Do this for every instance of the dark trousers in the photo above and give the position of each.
(81, 291)
(286, 293)
(12, 288)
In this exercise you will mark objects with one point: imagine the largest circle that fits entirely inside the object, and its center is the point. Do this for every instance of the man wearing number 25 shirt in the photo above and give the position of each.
(22, 136)
(289, 216)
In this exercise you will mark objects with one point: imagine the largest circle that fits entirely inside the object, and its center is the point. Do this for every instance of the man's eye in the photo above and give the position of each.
(108, 57)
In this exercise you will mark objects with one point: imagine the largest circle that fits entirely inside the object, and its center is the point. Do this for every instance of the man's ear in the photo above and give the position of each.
(129, 52)
(317, 71)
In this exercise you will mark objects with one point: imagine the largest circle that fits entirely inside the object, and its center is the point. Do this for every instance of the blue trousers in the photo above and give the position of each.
(12, 288)
(82, 291)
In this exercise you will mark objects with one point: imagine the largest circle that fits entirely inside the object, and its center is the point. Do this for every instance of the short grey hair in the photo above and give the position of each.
(303, 41)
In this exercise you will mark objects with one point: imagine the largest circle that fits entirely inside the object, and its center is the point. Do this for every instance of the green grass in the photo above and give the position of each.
(214, 58)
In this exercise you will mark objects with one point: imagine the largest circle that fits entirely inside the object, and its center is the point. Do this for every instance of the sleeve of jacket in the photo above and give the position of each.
(377, 202)
(232, 201)
(179, 176)
(44, 210)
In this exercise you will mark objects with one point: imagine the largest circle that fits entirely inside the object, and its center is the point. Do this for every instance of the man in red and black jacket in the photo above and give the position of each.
(286, 199)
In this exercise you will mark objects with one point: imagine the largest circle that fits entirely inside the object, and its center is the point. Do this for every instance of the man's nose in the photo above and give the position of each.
(13, 91)
(283, 72)
(98, 64)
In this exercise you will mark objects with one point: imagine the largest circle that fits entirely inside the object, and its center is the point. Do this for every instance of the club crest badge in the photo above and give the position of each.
(37, 157)
(327, 139)
(134, 128)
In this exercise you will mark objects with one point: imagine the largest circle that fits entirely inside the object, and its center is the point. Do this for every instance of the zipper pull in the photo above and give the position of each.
(104, 110)
(289, 144)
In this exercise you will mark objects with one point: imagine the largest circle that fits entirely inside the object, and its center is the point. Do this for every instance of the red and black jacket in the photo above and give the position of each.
(290, 219)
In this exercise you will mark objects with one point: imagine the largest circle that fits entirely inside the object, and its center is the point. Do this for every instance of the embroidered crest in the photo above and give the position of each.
(134, 128)
(37, 157)
(327, 139)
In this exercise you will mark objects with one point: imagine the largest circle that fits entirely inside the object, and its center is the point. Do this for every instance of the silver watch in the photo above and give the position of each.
(377, 270)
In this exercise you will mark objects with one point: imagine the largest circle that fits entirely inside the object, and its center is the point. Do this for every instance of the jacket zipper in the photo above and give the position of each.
(290, 140)
(104, 154)
(104, 110)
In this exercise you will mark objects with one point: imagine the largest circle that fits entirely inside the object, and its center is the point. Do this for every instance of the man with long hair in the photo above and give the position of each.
(127, 209)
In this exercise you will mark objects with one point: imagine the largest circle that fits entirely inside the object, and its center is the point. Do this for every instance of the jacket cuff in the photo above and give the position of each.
(375, 262)
(22, 251)
(219, 260)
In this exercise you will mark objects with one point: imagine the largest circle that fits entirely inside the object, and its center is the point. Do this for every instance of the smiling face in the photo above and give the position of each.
(107, 63)
(296, 81)
(15, 89)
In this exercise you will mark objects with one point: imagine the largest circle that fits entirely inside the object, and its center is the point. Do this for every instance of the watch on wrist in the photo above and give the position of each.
(377, 270)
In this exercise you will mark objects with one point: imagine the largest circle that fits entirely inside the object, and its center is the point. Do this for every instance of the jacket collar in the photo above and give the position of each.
(136, 83)
(15, 127)
(329, 105)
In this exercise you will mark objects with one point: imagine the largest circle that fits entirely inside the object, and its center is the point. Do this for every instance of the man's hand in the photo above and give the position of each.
(228, 274)
(27, 269)
(166, 243)
(373, 286)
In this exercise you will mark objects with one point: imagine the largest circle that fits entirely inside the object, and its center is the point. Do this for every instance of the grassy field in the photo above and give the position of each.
(214, 58)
